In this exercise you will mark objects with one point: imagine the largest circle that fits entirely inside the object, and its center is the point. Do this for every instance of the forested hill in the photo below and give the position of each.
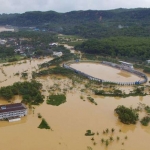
(125, 16)
(90, 23)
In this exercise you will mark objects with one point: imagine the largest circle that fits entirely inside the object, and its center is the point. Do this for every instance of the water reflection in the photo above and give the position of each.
(6, 123)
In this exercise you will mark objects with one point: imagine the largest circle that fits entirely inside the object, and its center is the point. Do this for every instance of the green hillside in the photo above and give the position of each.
(90, 23)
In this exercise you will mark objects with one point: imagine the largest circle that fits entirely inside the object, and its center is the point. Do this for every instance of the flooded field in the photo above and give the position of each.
(5, 29)
(105, 72)
(70, 120)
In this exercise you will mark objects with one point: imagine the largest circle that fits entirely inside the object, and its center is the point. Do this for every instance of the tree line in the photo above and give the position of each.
(123, 47)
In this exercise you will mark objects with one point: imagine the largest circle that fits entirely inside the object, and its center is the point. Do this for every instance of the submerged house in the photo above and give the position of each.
(12, 112)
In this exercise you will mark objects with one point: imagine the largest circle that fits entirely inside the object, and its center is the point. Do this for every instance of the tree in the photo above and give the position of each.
(127, 115)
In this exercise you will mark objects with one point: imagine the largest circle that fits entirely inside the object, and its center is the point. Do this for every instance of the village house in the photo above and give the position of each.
(2, 42)
(58, 54)
(53, 44)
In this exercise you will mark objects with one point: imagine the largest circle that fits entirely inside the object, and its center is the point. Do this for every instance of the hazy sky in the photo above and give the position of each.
(20, 6)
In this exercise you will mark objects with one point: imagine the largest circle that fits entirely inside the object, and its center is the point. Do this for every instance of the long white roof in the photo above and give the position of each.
(125, 63)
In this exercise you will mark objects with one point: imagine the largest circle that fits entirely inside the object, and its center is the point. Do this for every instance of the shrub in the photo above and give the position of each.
(127, 115)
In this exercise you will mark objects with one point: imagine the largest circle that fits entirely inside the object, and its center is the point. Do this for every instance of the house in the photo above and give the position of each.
(148, 61)
(58, 54)
(2, 41)
(12, 112)
(53, 44)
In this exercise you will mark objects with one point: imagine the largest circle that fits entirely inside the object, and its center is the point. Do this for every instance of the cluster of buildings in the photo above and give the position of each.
(29, 50)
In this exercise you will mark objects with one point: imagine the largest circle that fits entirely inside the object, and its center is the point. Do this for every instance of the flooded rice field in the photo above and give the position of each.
(105, 72)
(70, 120)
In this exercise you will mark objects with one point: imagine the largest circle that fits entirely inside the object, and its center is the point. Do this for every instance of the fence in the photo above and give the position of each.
(117, 66)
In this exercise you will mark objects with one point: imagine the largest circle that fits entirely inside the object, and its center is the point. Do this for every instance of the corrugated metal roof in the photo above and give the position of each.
(12, 107)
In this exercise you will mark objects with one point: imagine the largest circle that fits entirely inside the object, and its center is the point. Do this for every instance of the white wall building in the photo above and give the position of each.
(57, 54)
(13, 111)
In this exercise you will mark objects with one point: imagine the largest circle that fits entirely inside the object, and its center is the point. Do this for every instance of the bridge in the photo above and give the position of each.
(117, 66)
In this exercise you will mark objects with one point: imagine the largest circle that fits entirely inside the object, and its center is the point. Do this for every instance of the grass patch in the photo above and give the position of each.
(44, 125)
(56, 100)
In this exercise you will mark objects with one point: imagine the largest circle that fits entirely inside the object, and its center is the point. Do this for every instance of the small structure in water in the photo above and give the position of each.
(13, 112)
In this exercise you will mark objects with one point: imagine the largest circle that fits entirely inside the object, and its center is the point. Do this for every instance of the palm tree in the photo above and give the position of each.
(111, 138)
(92, 139)
(107, 142)
(103, 132)
(118, 138)
(126, 137)
(94, 143)
(112, 130)
(107, 130)
(102, 140)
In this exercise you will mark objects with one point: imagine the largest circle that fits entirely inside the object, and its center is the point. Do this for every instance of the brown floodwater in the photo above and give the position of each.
(70, 120)
(105, 72)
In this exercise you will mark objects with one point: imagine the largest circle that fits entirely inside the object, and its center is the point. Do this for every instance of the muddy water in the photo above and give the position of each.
(70, 121)
(105, 72)
(71, 48)
(8, 77)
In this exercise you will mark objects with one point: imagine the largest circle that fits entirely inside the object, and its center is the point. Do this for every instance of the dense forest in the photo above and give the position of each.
(137, 48)
(89, 24)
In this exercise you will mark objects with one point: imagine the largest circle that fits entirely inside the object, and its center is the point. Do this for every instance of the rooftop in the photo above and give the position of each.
(12, 107)
(125, 63)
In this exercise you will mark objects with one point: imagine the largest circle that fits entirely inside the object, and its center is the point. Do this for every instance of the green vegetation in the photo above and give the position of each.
(145, 121)
(39, 115)
(90, 23)
(24, 75)
(138, 91)
(147, 108)
(57, 71)
(136, 48)
(59, 60)
(44, 125)
(107, 138)
(91, 100)
(89, 133)
(32, 43)
(146, 69)
(30, 92)
(56, 100)
(127, 115)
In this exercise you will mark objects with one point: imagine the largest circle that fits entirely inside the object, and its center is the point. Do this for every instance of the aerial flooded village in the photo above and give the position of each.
(76, 80)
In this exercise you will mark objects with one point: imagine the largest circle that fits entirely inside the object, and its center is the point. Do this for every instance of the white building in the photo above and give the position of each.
(57, 54)
(13, 112)
(148, 61)
(2, 41)
(53, 44)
